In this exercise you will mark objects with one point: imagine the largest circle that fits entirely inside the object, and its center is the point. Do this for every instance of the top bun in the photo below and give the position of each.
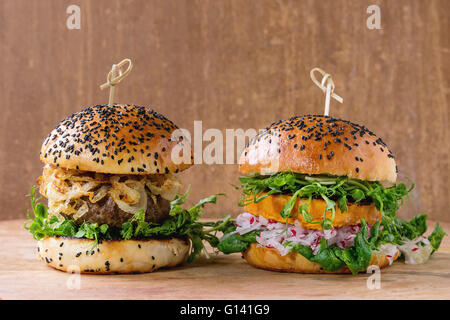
(122, 139)
(317, 144)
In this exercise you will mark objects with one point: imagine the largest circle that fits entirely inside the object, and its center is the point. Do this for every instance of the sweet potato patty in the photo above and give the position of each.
(271, 207)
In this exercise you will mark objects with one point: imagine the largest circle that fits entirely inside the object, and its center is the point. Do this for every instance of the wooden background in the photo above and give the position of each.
(232, 64)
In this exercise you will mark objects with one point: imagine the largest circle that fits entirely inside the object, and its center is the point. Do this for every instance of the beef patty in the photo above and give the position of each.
(107, 212)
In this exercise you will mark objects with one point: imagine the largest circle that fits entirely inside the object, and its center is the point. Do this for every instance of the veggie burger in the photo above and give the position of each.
(320, 197)
(114, 203)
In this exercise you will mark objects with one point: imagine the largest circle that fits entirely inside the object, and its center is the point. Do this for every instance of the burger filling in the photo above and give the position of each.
(119, 207)
(332, 247)
(106, 198)
(285, 237)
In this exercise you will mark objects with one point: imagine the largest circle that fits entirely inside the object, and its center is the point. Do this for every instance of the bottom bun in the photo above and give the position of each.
(112, 256)
(270, 259)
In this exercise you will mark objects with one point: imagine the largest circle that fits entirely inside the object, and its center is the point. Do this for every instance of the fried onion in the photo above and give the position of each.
(65, 188)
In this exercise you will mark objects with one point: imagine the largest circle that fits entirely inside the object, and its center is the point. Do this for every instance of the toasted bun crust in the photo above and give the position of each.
(122, 139)
(316, 144)
(126, 256)
(271, 207)
(270, 259)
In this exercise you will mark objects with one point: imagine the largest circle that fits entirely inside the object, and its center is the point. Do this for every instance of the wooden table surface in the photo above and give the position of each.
(23, 276)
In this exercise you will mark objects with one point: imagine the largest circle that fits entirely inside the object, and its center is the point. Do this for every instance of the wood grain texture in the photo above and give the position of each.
(232, 64)
(23, 276)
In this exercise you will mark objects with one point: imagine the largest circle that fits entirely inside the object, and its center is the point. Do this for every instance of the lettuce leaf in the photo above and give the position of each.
(327, 257)
(436, 237)
(237, 243)
(357, 257)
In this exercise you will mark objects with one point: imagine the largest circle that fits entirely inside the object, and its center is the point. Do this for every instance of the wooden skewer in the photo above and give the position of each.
(328, 90)
(115, 76)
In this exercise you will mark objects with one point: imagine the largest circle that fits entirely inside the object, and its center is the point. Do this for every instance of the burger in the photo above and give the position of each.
(320, 196)
(114, 202)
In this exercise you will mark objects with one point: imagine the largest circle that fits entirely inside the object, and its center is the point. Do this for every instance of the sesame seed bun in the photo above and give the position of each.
(271, 206)
(270, 259)
(122, 139)
(316, 144)
(125, 256)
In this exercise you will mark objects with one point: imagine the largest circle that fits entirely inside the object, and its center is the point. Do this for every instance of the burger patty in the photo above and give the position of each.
(107, 212)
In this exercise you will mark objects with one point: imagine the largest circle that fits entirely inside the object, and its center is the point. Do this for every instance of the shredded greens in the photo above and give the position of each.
(180, 223)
